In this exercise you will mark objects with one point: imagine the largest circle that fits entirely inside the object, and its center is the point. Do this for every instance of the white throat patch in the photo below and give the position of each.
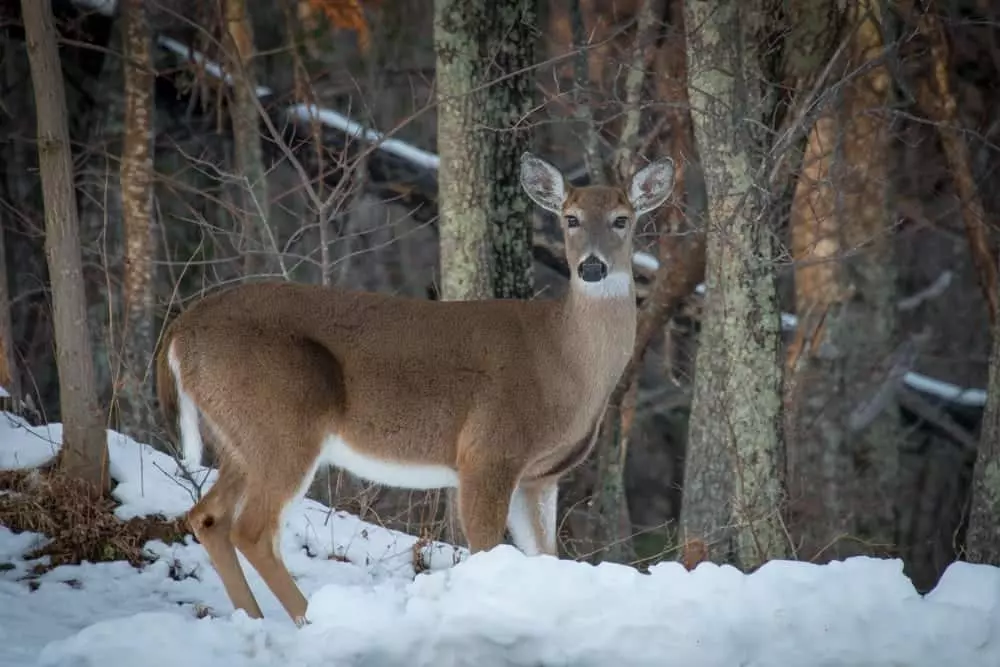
(615, 286)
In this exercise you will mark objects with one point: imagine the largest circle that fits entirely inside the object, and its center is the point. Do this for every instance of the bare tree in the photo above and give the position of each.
(137, 202)
(733, 487)
(247, 139)
(843, 430)
(84, 453)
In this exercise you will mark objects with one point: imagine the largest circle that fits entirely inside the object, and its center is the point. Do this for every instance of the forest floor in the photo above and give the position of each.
(380, 597)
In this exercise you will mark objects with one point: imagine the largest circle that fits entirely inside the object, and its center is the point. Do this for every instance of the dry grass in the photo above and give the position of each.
(79, 527)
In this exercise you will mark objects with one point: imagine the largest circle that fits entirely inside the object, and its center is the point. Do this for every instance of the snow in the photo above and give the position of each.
(105, 7)
(330, 118)
(23, 446)
(498, 607)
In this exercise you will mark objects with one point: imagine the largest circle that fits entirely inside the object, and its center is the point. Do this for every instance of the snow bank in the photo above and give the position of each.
(502, 608)
(496, 608)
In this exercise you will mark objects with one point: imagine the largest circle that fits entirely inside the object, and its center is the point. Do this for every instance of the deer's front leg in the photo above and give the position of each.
(532, 517)
(484, 494)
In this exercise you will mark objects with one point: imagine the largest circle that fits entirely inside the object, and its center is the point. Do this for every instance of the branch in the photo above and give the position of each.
(582, 109)
(937, 101)
(641, 57)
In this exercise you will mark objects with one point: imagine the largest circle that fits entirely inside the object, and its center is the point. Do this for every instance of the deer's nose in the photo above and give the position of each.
(592, 269)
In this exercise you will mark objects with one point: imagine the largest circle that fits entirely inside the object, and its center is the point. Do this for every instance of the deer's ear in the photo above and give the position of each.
(543, 183)
(651, 186)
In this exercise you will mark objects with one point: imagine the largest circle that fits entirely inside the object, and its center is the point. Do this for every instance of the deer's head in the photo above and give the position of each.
(597, 220)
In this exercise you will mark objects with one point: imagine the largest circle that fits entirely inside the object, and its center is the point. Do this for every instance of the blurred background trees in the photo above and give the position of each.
(814, 343)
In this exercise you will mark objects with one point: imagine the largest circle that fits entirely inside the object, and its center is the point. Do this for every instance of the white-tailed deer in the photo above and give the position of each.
(498, 398)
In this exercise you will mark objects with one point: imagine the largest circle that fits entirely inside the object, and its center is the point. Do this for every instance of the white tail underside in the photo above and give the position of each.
(191, 442)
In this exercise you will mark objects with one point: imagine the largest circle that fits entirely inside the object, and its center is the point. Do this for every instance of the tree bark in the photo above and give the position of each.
(464, 149)
(137, 200)
(84, 453)
(982, 540)
(733, 488)
(247, 142)
(511, 39)
(843, 456)
(486, 239)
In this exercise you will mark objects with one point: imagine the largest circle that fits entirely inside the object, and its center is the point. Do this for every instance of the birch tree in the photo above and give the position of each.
(733, 485)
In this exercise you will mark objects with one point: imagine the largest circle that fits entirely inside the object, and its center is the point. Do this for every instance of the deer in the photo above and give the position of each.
(496, 398)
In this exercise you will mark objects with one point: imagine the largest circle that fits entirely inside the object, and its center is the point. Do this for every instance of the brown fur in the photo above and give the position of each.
(504, 393)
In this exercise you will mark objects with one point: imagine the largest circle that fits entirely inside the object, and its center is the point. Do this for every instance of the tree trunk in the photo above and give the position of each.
(733, 487)
(249, 154)
(983, 534)
(464, 144)
(511, 40)
(84, 452)
(137, 199)
(844, 433)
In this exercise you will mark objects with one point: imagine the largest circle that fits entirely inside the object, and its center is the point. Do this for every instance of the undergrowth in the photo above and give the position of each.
(78, 527)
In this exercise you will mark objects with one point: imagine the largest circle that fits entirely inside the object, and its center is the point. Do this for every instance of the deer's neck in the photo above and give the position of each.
(597, 331)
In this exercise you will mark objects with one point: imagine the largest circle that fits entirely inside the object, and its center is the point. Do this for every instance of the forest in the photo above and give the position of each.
(815, 369)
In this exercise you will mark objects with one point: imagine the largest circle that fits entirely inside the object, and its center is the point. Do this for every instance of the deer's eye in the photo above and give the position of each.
(572, 221)
(621, 222)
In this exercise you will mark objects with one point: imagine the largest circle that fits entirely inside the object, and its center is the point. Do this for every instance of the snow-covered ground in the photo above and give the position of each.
(496, 608)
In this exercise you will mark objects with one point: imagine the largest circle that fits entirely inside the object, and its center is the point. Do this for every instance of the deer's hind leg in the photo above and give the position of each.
(531, 519)
(211, 520)
(256, 530)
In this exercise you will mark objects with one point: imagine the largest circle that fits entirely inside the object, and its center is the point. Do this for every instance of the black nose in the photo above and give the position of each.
(592, 269)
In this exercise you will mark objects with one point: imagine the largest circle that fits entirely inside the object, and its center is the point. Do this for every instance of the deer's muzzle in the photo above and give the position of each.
(592, 269)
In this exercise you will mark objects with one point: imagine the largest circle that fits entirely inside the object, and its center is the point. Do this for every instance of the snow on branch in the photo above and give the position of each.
(352, 128)
(210, 67)
(430, 161)
(103, 7)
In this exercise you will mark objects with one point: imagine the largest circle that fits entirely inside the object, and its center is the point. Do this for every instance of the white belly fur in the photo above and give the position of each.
(338, 453)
